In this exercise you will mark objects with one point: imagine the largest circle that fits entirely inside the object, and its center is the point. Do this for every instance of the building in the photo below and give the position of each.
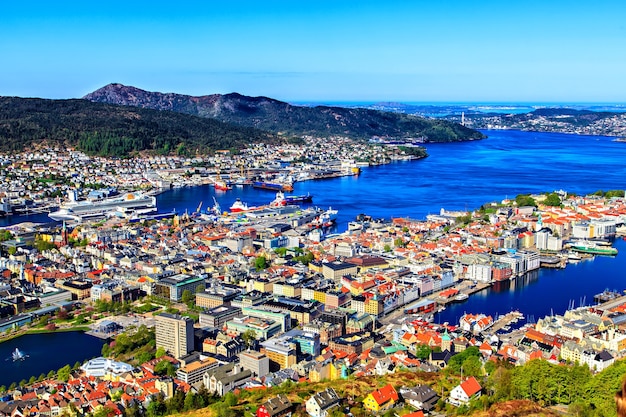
(218, 316)
(352, 343)
(262, 328)
(381, 400)
(80, 289)
(322, 402)
(279, 406)
(193, 372)
(174, 333)
(258, 363)
(225, 378)
(172, 288)
(216, 296)
(421, 397)
(336, 270)
(465, 391)
(282, 353)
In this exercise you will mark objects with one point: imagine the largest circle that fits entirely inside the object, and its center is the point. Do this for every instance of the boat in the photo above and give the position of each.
(239, 207)
(274, 186)
(18, 355)
(593, 248)
(222, 186)
(573, 256)
(461, 297)
(295, 199)
(78, 210)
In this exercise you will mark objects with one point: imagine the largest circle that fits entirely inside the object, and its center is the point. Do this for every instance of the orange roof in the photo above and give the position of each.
(470, 386)
(385, 394)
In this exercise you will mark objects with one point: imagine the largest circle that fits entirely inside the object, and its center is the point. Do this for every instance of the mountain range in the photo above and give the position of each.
(286, 119)
(118, 120)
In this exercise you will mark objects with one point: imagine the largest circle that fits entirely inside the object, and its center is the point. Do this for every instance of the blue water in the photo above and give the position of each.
(46, 352)
(458, 176)
(547, 291)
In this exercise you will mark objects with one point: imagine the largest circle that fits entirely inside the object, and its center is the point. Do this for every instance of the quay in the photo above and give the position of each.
(464, 288)
(505, 320)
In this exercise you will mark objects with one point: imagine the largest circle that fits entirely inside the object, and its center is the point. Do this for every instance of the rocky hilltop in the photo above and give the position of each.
(287, 119)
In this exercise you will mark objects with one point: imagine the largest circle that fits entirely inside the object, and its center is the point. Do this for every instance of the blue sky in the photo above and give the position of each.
(297, 50)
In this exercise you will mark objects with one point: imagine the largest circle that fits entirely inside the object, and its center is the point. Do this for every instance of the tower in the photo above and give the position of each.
(174, 333)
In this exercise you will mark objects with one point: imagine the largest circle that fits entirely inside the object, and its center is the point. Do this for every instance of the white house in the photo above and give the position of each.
(465, 391)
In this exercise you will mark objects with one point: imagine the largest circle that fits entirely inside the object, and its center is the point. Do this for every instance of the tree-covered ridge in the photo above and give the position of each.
(280, 117)
(106, 129)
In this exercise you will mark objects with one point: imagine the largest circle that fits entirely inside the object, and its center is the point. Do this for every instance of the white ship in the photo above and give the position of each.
(78, 210)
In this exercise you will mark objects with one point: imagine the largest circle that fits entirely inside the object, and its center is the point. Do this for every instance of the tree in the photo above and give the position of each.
(523, 200)
(160, 352)
(552, 200)
(165, 368)
(260, 263)
(187, 297)
(249, 336)
(63, 374)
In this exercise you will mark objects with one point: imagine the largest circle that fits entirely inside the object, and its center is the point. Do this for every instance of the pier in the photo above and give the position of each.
(466, 287)
(503, 321)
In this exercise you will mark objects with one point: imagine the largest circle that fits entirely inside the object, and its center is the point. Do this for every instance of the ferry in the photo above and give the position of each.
(77, 210)
(593, 248)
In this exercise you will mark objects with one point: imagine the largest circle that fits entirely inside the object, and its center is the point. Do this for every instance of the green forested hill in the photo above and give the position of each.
(280, 117)
(115, 130)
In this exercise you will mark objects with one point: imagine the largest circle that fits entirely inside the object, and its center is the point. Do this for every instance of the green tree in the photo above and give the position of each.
(165, 368)
(248, 337)
(63, 374)
(524, 200)
(260, 263)
(187, 296)
(160, 352)
(552, 200)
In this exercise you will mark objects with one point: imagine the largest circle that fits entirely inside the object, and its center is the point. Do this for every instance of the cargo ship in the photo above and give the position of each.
(272, 186)
(288, 200)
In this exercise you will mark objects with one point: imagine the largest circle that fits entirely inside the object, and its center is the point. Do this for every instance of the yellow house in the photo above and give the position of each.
(381, 400)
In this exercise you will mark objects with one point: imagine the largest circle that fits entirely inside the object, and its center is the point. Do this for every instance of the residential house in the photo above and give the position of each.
(465, 391)
(421, 397)
(381, 400)
(322, 402)
(279, 406)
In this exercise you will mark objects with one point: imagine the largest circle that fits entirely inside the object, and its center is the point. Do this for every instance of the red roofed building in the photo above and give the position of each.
(381, 400)
(465, 391)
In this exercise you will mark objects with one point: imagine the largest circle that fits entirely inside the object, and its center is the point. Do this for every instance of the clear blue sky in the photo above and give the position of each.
(297, 50)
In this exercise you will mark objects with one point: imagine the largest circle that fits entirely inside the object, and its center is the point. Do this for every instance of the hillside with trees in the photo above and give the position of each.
(284, 118)
(110, 130)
